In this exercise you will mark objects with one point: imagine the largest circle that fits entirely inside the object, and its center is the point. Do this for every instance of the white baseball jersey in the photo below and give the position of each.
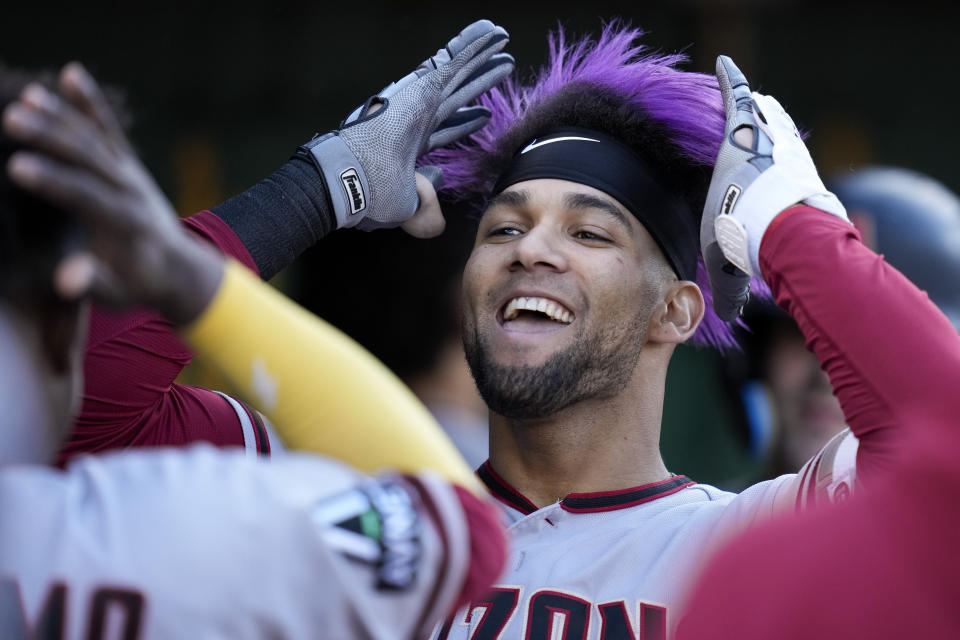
(207, 543)
(615, 565)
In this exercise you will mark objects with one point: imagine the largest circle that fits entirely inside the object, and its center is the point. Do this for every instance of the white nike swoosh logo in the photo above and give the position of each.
(533, 145)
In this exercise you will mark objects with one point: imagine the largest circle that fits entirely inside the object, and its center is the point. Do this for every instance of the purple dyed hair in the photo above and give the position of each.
(685, 105)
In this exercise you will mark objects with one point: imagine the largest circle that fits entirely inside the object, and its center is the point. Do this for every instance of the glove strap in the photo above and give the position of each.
(346, 182)
(775, 190)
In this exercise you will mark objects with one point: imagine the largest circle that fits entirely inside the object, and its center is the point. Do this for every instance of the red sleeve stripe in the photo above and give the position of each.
(803, 482)
(427, 500)
(812, 485)
(255, 439)
(246, 424)
(260, 431)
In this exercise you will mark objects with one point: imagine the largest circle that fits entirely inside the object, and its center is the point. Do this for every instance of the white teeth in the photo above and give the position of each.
(552, 309)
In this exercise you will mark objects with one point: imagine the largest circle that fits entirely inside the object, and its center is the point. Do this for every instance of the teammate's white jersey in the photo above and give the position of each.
(207, 543)
(616, 565)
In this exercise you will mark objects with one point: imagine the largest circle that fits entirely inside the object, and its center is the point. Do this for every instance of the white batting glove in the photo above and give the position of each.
(752, 184)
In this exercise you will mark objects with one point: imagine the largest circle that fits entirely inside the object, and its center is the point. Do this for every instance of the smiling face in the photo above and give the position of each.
(558, 294)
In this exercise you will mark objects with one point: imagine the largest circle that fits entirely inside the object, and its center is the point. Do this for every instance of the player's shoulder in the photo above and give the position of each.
(702, 492)
(141, 508)
(695, 496)
(204, 471)
(184, 480)
(697, 503)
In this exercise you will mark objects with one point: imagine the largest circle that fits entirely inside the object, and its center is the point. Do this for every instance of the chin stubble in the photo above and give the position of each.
(594, 366)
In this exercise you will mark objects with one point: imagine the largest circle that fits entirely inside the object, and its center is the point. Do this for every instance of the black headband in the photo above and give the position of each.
(597, 160)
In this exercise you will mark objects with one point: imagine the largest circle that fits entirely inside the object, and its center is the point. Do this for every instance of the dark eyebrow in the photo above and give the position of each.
(589, 201)
(517, 199)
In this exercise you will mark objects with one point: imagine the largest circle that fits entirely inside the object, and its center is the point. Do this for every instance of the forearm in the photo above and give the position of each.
(281, 216)
(209, 227)
(885, 346)
(321, 390)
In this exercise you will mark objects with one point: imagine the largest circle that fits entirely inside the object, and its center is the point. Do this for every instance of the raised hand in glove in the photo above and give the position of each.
(763, 168)
(368, 164)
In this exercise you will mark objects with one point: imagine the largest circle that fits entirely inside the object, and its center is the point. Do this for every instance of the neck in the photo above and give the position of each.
(600, 444)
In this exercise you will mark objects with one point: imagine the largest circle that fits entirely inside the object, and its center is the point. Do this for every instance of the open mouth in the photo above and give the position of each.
(535, 311)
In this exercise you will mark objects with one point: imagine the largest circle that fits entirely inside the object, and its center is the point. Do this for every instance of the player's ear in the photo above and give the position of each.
(679, 313)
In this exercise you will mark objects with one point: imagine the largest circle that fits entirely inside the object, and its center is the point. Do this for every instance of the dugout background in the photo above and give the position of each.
(221, 94)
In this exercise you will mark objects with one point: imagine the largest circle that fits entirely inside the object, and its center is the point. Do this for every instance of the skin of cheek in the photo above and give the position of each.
(616, 285)
(609, 284)
(616, 295)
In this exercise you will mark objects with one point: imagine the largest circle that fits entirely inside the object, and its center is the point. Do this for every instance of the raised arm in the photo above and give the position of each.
(131, 361)
(894, 362)
(361, 174)
(883, 343)
(325, 392)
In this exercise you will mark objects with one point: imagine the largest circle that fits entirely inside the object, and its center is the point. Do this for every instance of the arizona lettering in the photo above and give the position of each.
(552, 614)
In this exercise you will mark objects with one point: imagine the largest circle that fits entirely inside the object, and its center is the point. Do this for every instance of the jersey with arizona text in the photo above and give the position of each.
(616, 565)
(207, 543)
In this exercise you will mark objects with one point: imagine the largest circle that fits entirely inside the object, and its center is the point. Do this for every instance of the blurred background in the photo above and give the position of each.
(222, 93)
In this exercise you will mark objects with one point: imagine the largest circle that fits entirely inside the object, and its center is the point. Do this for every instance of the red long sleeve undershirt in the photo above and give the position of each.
(885, 346)
(132, 358)
(884, 564)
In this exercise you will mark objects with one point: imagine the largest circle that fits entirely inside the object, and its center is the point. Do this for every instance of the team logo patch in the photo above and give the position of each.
(377, 524)
(730, 199)
(354, 190)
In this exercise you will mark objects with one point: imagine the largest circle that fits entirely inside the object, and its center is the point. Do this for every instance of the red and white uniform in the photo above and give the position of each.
(206, 543)
(606, 565)
(886, 565)
(619, 564)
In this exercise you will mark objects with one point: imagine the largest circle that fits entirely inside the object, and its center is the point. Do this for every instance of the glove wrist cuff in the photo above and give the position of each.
(346, 181)
(775, 190)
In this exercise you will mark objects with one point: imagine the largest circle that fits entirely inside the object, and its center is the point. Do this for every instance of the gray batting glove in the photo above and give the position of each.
(368, 164)
(763, 168)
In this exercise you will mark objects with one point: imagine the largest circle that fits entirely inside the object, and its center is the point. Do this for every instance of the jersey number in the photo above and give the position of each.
(123, 607)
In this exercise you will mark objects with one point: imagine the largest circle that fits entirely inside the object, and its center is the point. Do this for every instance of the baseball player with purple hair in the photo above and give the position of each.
(586, 273)
(590, 266)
